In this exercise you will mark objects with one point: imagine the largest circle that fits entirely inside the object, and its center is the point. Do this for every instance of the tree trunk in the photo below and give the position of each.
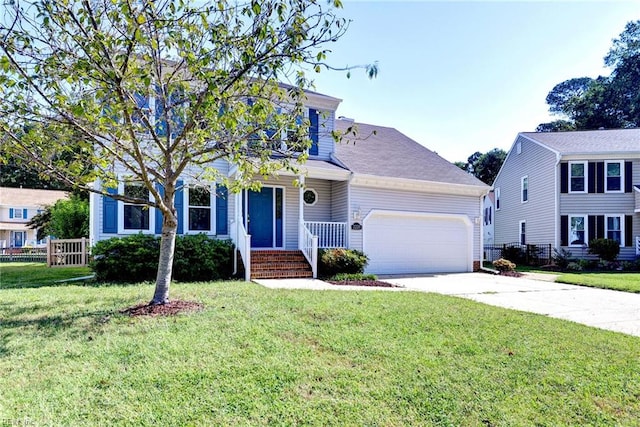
(165, 262)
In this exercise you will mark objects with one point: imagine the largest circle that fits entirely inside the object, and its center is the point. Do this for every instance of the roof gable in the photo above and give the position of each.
(26, 197)
(623, 141)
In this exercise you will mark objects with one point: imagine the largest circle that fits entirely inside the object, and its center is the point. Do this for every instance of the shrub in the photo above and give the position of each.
(574, 266)
(503, 265)
(336, 261)
(514, 254)
(135, 258)
(353, 276)
(606, 249)
(561, 258)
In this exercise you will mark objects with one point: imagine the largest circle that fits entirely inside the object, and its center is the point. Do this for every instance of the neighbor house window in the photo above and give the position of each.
(577, 230)
(614, 177)
(497, 192)
(17, 214)
(200, 203)
(523, 232)
(614, 226)
(524, 189)
(578, 177)
(136, 216)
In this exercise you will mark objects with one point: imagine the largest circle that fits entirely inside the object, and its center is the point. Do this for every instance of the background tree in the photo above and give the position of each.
(66, 219)
(152, 91)
(485, 166)
(605, 102)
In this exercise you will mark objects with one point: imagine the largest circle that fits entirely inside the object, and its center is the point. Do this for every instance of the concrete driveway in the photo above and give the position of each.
(612, 310)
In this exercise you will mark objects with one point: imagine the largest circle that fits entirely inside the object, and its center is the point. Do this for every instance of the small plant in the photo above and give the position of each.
(336, 261)
(503, 265)
(561, 257)
(514, 254)
(606, 249)
(347, 277)
(574, 266)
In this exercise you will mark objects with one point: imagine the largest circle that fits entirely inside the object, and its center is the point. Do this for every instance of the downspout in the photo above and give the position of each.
(482, 197)
(300, 210)
(348, 230)
(556, 201)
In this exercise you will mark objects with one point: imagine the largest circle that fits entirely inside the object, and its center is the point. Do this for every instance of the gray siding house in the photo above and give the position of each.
(567, 188)
(407, 208)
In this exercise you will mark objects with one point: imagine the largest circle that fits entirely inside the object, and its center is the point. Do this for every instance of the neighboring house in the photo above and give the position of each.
(567, 188)
(407, 208)
(17, 207)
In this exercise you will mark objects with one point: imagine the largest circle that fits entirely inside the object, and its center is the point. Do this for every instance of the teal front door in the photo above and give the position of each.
(265, 217)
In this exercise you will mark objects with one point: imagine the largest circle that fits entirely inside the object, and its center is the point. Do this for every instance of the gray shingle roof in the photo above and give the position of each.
(589, 142)
(392, 154)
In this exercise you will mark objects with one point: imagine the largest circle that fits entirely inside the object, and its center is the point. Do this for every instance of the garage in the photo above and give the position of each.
(417, 242)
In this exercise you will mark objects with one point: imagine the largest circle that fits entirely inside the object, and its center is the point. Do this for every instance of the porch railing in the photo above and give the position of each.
(330, 234)
(242, 240)
(68, 252)
(309, 247)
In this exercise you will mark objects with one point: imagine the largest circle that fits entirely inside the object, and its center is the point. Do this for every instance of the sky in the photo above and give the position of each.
(466, 76)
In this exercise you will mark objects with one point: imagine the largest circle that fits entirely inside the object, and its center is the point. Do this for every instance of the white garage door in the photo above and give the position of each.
(417, 242)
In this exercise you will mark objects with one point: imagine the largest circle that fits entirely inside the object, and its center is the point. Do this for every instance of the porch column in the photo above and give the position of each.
(300, 210)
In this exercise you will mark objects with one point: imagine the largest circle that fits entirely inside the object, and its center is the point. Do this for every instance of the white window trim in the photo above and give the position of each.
(520, 233)
(522, 181)
(17, 213)
(314, 192)
(186, 206)
(606, 181)
(585, 219)
(121, 204)
(606, 226)
(585, 177)
(497, 194)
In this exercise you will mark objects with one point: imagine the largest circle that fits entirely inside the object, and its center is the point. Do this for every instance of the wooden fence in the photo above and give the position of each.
(68, 252)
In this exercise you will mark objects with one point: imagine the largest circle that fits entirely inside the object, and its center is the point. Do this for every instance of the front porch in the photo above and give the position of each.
(279, 229)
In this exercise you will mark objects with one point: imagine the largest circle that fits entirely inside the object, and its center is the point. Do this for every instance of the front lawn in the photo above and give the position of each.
(628, 282)
(257, 356)
(34, 275)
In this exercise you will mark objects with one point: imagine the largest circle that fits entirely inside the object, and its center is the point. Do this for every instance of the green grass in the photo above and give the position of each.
(628, 282)
(35, 275)
(256, 356)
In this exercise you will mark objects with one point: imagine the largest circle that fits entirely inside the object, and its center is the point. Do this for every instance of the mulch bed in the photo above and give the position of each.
(511, 273)
(377, 283)
(171, 308)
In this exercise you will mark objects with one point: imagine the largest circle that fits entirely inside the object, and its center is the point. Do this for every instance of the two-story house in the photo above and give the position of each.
(17, 207)
(567, 188)
(407, 208)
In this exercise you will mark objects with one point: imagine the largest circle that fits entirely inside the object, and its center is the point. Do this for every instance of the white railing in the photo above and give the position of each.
(242, 240)
(309, 247)
(68, 253)
(330, 234)
(637, 245)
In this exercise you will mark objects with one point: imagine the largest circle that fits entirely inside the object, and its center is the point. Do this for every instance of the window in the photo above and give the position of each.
(613, 183)
(519, 147)
(497, 191)
(199, 204)
(577, 231)
(310, 197)
(614, 231)
(523, 232)
(524, 189)
(17, 213)
(135, 217)
(577, 177)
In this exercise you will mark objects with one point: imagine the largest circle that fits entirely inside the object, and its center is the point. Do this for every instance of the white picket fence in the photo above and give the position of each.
(68, 252)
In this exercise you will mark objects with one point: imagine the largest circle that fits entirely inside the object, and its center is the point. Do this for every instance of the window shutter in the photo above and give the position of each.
(159, 216)
(600, 177)
(628, 177)
(592, 177)
(178, 201)
(314, 129)
(24, 214)
(110, 213)
(221, 210)
(564, 177)
(628, 230)
(591, 220)
(11, 213)
(599, 228)
(564, 230)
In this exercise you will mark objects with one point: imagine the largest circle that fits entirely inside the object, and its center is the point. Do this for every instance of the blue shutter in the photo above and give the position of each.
(24, 214)
(161, 123)
(178, 201)
(177, 120)
(564, 177)
(142, 102)
(221, 210)
(110, 213)
(628, 177)
(10, 212)
(313, 131)
(159, 215)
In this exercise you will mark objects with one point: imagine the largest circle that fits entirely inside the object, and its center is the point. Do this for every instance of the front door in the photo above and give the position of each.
(18, 238)
(265, 219)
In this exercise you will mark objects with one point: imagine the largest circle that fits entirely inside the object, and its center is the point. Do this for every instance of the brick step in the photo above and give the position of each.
(279, 266)
(280, 274)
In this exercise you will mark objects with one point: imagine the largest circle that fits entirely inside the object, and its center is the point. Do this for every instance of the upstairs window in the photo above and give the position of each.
(199, 206)
(578, 177)
(497, 192)
(613, 183)
(524, 187)
(135, 216)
